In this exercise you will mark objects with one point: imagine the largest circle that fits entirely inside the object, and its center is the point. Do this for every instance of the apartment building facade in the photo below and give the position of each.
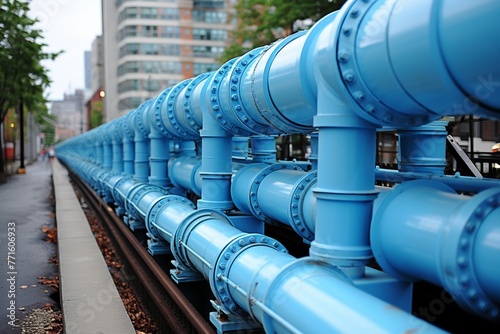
(150, 45)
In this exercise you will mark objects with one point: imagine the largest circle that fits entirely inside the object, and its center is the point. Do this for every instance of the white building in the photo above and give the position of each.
(154, 44)
(70, 115)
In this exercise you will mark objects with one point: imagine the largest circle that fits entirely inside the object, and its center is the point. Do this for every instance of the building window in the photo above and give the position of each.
(129, 49)
(127, 13)
(129, 103)
(200, 68)
(128, 67)
(128, 85)
(170, 49)
(150, 31)
(149, 13)
(149, 49)
(209, 16)
(207, 51)
(170, 32)
(127, 31)
(170, 14)
(210, 34)
(209, 4)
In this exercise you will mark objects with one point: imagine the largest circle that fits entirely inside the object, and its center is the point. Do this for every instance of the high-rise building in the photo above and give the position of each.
(87, 68)
(95, 104)
(96, 65)
(151, 45)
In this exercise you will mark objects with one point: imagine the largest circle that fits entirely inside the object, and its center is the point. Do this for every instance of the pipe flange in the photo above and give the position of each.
(186, 226)
(108, 139)
(119, 197)
(187, 102)
(157, 206)
(130, 207)
(277, 123)
(460, 279)
(297, 199)
(136, 197)
(169, 112)
(254, 188)
(241, 243)
(128, 132)
(215, 103)
(158, 104)
(118, 134)
(249, 126)
(371, 108)
(139, 123)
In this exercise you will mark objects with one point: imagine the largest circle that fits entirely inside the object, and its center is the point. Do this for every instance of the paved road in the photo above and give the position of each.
(25, 207)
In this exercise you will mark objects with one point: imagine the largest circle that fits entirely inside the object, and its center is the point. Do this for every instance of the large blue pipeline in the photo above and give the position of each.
(195, 168)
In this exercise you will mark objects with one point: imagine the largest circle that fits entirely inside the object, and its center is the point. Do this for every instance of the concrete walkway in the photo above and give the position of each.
(25, 208)
(87, 295)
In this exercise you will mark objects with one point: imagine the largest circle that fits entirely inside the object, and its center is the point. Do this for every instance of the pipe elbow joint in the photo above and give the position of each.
(395, 73)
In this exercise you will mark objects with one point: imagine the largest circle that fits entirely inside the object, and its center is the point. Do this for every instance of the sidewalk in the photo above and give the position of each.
(25, 208)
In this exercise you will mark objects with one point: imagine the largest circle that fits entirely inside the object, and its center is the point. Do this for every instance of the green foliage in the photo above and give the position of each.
(22, 75)
(261, 22)
(95, 114)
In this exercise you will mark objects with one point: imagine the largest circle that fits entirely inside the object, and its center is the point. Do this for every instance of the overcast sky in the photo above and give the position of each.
(69, 25)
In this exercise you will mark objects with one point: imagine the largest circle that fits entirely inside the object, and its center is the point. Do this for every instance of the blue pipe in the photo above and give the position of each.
(107, 146)
(277, 193)
(252, 273)
(98, 146)
(451, 243)
(463, 184)
(185, 172)
(356, 70)
(313, 156)
(140, 123)
(422, 72)
(263, 148)
(117, 144)
(128, 145)
(216, 162)
(423, 149)
(240, 148)
(160, 152)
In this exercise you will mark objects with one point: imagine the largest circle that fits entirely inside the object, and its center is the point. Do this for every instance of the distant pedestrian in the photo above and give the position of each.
(43, 153)
(52, 153)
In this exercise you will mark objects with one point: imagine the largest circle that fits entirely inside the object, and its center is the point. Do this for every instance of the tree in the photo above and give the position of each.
(261, 22)
(95, 114)
(23, 78)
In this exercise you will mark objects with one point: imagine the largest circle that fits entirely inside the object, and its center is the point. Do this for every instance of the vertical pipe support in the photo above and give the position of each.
(216, 158)
(107, 153)
(263, 148)
(141, 140)
(117, 143)
(98, 140)
(313, 156)
(240, 148)
(423, 149)
(158, 160)
(345, 190)
(128, 145)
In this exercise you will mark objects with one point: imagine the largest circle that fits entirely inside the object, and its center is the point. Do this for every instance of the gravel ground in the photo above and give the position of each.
(42, 321)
